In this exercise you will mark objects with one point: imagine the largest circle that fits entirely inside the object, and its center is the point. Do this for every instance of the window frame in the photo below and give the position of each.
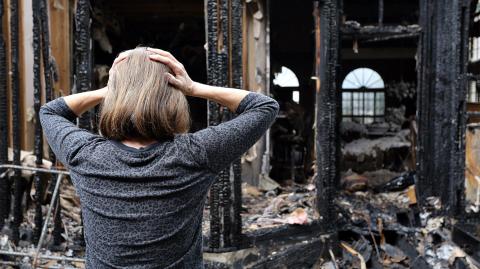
(363, 116)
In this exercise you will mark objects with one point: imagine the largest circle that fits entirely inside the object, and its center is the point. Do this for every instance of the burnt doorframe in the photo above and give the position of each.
(441, 102)
(224, 67)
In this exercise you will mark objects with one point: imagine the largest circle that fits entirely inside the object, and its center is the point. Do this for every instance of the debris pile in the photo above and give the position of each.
(387, 152)
(389, 230)
(289, 204)
(50, 255)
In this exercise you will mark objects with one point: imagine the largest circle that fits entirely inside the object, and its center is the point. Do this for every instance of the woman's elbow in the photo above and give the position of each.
(274, 107)
(43, 113)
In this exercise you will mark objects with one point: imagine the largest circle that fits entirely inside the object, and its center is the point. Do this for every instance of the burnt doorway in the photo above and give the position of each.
(176, 26)
(292, 52)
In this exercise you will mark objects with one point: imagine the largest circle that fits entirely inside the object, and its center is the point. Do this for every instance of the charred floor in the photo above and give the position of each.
(372, 161)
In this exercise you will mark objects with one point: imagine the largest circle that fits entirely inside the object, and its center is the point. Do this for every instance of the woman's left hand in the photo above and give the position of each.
(179, 79)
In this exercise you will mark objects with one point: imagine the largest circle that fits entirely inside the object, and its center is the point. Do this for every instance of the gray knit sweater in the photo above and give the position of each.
(142, 208)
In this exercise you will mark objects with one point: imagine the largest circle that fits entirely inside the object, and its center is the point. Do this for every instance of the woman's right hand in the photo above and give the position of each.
(179, 79)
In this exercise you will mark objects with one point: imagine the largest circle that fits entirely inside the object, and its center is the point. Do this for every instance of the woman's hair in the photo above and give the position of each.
(140, 103)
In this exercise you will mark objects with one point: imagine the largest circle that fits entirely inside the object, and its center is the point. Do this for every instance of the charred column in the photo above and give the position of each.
(326, 19)
(15, 86)
(37, 92)
(441, 101)
(83, 57)
(4, 182)
(49, 95)
(224, 64)
(83, 54)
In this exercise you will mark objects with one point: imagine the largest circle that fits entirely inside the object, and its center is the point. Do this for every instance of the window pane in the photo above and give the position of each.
(472, 97)
(368, 120)
(369, 103)
(347, 119)
(346, 103)
(380, 104)
(357, 104)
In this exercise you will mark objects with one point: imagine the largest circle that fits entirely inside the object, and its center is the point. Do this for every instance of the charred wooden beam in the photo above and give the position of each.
(4, 182)
(15, 86)
(302, 255)
(83, 54)
(37, 99)
(257, 236)
(83, 59)
(355, 31)
(236, 81)
(326, 19)
(224, 64)
(441, 101)
(49, 95)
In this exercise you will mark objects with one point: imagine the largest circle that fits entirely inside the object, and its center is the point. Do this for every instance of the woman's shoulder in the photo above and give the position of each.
(190, 145)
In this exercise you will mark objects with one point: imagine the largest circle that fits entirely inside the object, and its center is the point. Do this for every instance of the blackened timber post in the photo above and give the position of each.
(236, 81)
(4, 182)
(441, 102)
(49, 95)
(83, 60)
(326, 19)
(224, 67)
(37, 99)
(83, 55)
(15, 87)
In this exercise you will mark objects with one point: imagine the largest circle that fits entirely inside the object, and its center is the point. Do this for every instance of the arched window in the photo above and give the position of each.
(363, 96)
(287, 79)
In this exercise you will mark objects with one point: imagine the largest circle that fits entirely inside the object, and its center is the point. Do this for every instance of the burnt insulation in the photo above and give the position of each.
(37, 99)
(441, 101)
(15, 86)
(4, 181)
(224, 66)
(83, 55)
(326, 19)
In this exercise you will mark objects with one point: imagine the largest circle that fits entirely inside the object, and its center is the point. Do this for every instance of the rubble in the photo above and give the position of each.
(293, 204)
(373, 154)
(63, 257)
(398, 183)
(350, 130)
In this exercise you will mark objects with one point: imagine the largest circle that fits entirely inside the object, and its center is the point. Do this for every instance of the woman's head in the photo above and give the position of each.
(140, 104)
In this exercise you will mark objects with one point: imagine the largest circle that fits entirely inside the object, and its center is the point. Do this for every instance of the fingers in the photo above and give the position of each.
(176, 67)
(173, 81)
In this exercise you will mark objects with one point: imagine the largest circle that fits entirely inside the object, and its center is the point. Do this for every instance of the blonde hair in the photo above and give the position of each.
(140, 103)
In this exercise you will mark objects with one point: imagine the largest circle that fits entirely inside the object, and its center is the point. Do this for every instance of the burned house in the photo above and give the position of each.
(372, 161)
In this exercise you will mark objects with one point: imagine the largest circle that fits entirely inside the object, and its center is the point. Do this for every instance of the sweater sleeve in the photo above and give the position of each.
(63, 136)
(227, 141)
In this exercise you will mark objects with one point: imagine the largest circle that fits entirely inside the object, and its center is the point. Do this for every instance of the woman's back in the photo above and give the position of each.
(141, 208)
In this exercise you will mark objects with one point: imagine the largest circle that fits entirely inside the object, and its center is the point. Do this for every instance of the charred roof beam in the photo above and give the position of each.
(353, 30)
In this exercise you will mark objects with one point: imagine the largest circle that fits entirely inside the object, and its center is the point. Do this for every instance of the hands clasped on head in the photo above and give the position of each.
(179, 79)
